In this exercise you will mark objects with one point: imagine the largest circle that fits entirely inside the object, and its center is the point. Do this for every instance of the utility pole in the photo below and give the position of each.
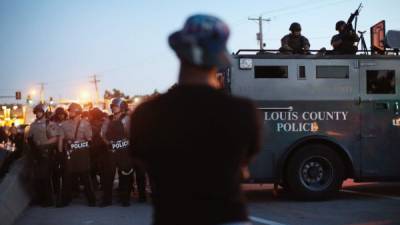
(42, 92)
(260, 37)
(95, 81)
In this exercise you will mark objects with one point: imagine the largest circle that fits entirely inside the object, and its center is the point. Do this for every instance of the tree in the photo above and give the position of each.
(115, 93)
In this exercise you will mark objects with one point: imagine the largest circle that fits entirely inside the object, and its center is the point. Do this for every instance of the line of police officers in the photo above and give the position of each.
(68, 150)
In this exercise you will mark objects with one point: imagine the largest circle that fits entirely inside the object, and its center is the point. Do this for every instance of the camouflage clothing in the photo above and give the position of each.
(292, 44)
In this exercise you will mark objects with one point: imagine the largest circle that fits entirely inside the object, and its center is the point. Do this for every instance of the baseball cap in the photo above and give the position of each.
(202, 41)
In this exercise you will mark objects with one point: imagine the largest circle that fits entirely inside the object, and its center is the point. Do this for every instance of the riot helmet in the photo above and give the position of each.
(75, 108)
(39, 108)
(339, 24)
(295, 27)
(119, 102)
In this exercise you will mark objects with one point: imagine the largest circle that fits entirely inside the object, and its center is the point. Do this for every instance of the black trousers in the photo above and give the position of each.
(111, 164)
(58, 171)
(43, 166)
(67, 186)
(140, 175)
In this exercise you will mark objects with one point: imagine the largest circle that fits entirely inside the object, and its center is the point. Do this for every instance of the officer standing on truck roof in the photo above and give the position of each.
(194, 139)
(343, 42)
(115, 133)
(294, 43)
(75, 138)
(42, 139)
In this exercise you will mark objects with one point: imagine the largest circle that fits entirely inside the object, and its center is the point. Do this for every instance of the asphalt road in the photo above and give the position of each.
(356, 204)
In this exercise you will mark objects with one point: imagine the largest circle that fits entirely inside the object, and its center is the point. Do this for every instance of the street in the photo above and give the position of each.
(356, 204)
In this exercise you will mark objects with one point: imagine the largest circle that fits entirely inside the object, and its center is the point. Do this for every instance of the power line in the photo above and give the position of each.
(289, 8)
(307, 9)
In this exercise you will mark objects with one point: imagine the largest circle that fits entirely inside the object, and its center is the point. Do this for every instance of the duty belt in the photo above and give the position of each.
(119, 145)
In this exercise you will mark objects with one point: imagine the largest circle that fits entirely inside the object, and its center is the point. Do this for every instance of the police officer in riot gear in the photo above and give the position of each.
(42, 139)
(295, 43)
(115, 132)
(343, 42)
(75, 137)
(60, 115)
(98, 148)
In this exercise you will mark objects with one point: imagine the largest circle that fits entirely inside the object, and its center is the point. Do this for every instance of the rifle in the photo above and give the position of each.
(349, 24)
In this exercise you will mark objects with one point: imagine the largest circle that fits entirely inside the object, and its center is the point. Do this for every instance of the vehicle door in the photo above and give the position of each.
(380, 130)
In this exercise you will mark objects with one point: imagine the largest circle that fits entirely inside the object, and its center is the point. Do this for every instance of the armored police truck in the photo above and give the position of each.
(326, 118)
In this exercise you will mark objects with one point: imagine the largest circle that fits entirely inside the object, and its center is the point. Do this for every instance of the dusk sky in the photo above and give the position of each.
(63, 42)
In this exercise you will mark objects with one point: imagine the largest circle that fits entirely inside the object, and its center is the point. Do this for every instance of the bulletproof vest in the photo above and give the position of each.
(116, 134)
(347, 45)
(115, 129)
(296, 43)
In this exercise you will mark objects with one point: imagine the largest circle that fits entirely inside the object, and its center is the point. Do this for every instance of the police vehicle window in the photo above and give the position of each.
(381, 82)
(271, 72)
(335, 72)
(302, 73)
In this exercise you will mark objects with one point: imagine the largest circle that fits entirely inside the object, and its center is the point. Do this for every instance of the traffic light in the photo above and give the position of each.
(18, 95)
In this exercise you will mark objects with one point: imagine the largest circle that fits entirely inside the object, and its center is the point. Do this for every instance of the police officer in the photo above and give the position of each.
(75, 137)
(115, 132)
(60, 115)
(98, 148)
(42, 139)
(295, 43)
(343, 42)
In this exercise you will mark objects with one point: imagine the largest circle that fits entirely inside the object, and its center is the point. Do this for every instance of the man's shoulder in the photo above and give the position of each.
(287, 36)
(242, 102)
(65, 123)
(85, 124)
(304, 37)
(145, 108)
(335, 37)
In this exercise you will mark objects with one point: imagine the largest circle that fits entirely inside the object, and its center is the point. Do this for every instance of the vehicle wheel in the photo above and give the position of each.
(314, 172)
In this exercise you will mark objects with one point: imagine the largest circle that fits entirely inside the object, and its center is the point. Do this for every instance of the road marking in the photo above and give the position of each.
(264, 221)
(371, 194)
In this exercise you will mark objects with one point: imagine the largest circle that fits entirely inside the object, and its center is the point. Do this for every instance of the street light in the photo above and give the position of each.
(85, 96)
(136, 100)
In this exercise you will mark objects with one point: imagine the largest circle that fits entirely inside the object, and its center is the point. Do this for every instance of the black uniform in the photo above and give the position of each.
(76, 135)
(115, 131)
(97, 151)
(193, 141)
(58, 170)
(347, 46)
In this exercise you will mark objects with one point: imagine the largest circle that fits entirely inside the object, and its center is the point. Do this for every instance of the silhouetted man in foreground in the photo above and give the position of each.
(195, 139)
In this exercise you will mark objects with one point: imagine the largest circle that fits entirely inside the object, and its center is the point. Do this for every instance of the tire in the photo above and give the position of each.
(314, 172)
